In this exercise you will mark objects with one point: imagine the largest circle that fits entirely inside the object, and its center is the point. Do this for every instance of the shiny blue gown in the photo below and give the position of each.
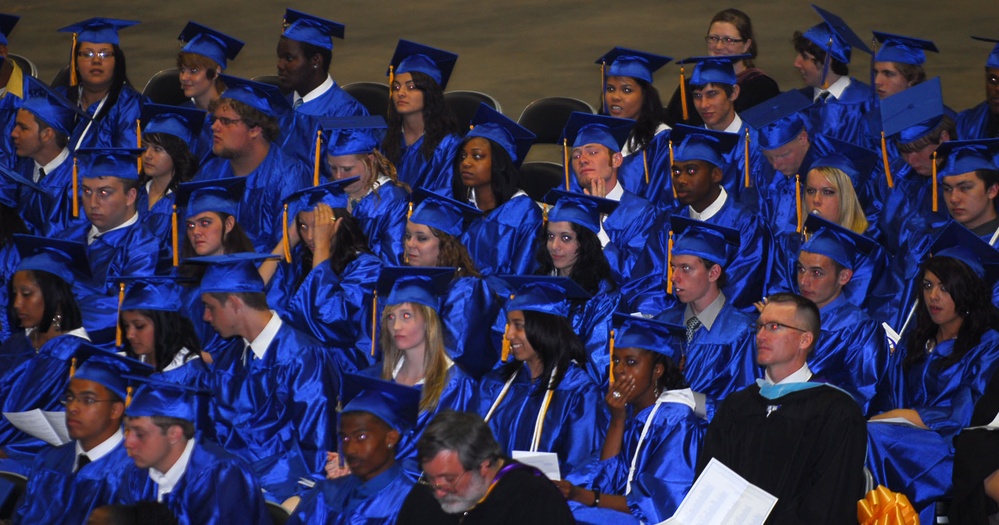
(971, 123)
(659, 189)
(50, 213)
(627, 227)
(350, 501)
(432, 174)
(842, 117)
(470, 306)
(503, 242)
(382, 216)
(9, 258)
(298, 130)
(115, 130)
(158, 219)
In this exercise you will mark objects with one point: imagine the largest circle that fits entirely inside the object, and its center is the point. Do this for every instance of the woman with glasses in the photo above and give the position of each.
(730, 32)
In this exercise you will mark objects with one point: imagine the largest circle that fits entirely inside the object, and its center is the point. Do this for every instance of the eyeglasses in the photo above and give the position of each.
(727, 40)
(446, 486)
(774, 326)
(103, 54)
(227, 122)
(69, 399)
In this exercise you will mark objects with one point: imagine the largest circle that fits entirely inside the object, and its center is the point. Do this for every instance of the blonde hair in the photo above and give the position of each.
(851, 213)
(378, 164)
(434, 357)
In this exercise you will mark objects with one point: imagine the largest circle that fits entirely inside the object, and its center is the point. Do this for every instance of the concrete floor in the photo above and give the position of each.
(516, 51)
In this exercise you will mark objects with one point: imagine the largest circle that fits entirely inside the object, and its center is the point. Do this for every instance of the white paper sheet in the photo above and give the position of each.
(722, 497)
(49, 427)
(896, 421)
(546, 462)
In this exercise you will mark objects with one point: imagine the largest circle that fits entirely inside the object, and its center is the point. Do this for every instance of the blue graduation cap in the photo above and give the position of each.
(585, 128)
(902, 49)
(205, 41)
(703, 144)
(10, 198)
(7, 23)
(414, 284)
(303, 27)
(647, 334)
(410, 56)
(624, 62)
(264, 98)
(109, 162)
(98, 30)
(440, 212)
(497, 127)
(548, 295)
(109, 369)
(713, 69)
(64, 259)
(836, 242)
(779, 119)
(162, 398)
(353, 135)
(913, 113)
(184, 123)
(964, 156)
(396, 405)
(957, 241)
(715, 243)
(578, 208)
(51, 107)
(856, 161)
(161, 293)
(835, 37)
(331, 194)
(993, 60)
(219, 196)
(232, 273)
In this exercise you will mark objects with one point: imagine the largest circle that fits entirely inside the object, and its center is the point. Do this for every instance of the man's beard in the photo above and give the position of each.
(455, 504)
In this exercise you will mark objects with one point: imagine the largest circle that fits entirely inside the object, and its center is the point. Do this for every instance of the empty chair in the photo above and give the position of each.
(272, 80)
(372, 95)
(27, 66)
(464, 104)
(546, 117)
(164, 88)
(538, 178)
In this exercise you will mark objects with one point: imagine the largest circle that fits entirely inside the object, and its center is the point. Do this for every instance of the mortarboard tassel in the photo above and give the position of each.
(72, 63)
(825, 64)
(610, 366)
(506, 345)
(409, 212)
(797, 199)
(315, 166)
(934, 167)
(544, 215)
(138, 145)
(128, 395)
(391, 81)
(117, 324)
(603, 85)
(683, 93)
(884, 159)
(285, 242)
(374, 320)
(76, 190)
(746, 167)
(669, 264)
(175, 234)
(645, 164)
(565, 161)
(72, 367)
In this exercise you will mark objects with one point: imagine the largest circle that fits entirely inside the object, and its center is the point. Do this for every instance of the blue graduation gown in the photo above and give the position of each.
(917, 461)
(194, 308)
(49, 213)
(9, 259)
(10, 104)
(260, 209)
(971, 123)
(469, 306)
(275, 412)
(298, 128)
(664, 467)
(350, 501)
(574, 426)
(216, 489)
(133, 251)
(116, 129)
(659, 188)
(382, 216)
(592, 322)
(434, 174)
(195, 373)
(504, 241)
(57, 495)
(908, 207)
(734, 170)
(336, 309)
(841, 117)
(722, 360)
(627, 227)
(158, 219)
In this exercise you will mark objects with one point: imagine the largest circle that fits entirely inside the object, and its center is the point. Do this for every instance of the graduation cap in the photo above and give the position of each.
(51, 107)
(585, 128)
(856, 161)
(913, 113)
(194, 198)
(98, 30)
(834, 37)
(497, 127)
(779, 119)
(109, 369)
(353, 135)
(205, 41)
(7, 23)
(624, 62)
(702, 144)
(64, 259)
(993, 60)
(398, 406)
(109, 162)
(184, 123)
(965, 156)
(331, 194)
(958, 242)
(232, 273)
(414, 284)
(832, 240)
(161, 293)
(715, 243)
(264, 98)
(303, 27)
(162, 398)
(650, 335)
(548, 295)
(440, 212)
(713, 69)
(902, 49)
(578, 208)
(410, 56)
(10, 198)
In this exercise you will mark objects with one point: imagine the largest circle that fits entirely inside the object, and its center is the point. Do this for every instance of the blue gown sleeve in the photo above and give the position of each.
(382, 215)
(504, 241)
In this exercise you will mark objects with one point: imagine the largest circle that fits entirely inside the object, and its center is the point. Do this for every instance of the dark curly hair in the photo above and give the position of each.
(348, 243)
(651, 115)
(556, 344)
(591, 267)
(171, 332)
(184, 163)
(438, 120)
(504, 174)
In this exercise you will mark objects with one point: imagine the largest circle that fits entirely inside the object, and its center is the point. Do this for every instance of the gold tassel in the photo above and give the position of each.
(825, 65)
(72, 63)
(128, 395)
(797, 199)
(669, 264)
(72, 367)
(746, 169)
(391, 81)
(884, 159)
(138, 144)
(506, 345)
(374, 320)
(610, 368)
(683, 93)
(565, 161)
(76, 190)
(409, 213)
(285, 242)
(645, 164)
(315, 168)
(934, 168)
(174, 231)
(117, 324)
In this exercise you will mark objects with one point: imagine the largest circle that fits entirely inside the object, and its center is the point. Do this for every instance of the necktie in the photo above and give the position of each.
(692, 325)
(246, 356)
(41, 174)
(824, 96)
(82, 461)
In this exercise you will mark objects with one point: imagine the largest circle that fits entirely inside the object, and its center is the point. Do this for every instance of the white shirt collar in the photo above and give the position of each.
(149, 184)
(101, 450)
(93, 233)
(710, 313)
(264, 338)
(712, 208)
(165, 483)
(801, 375)
(626, 150)
(179, 359)
(735, 126)
(616, 193)
(315, 93)
(52, 165)
(836, 89)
